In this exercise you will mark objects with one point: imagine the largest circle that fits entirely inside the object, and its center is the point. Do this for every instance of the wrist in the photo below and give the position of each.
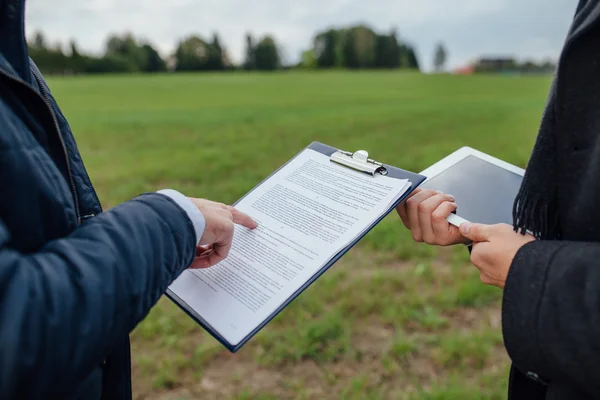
(193, 213)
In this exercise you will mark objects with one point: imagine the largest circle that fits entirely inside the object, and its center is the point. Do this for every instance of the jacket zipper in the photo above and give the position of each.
(81, 219)
(92, 190)
(46, 100)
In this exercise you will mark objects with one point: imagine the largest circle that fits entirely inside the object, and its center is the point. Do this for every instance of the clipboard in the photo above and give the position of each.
(358, 160)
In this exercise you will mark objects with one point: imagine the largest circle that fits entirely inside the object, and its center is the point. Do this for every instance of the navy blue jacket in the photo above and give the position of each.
(74, 281)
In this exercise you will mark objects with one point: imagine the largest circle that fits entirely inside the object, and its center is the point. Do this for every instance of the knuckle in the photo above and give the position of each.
(423, 208)
(417, 237)
(438, 216)
(225, 213)
(429, 239)
(412, 202)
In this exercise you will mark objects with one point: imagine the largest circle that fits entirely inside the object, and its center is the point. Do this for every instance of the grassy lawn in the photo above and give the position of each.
(392, 320)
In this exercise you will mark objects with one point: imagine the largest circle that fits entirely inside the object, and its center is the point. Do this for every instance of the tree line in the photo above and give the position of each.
(357, 47)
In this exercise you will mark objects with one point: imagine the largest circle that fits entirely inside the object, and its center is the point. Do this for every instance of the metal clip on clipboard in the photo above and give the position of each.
(359, 161)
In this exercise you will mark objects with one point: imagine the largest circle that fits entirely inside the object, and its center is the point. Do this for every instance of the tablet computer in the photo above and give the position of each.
(485, 187)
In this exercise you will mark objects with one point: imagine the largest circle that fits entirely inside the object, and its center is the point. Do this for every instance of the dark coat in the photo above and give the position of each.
(74, 281)
(551, 306)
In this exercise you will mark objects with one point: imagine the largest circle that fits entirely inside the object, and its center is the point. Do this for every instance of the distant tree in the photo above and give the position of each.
(74, 50)
(308, 60)
(59, 61)
(39, 41)
(123, 54)
(50, 60)
(127, 48)
(153, 62)
(387, 51)
(440, 57)
(360, 48)
(76, 61)
(191, 54)
(109, 64)
(350, 56)
(325, 48)
(267, 55)
(215, 59)
(125, 45)
(342, 36)
(250, 60)
(411, 58)
(548, 67)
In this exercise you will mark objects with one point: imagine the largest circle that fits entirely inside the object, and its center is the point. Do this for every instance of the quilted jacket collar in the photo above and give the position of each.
(13, 46)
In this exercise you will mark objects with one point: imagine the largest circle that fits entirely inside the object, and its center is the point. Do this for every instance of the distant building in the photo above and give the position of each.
(506, 64)
(468, 70)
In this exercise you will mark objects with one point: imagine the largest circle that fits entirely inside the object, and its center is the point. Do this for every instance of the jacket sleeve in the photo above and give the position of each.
(551, 312)
(62, 308)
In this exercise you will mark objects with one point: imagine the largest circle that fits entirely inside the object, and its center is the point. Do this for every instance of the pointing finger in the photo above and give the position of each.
(241, 218)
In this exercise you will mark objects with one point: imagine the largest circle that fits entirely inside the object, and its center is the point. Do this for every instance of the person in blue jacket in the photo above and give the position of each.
(74, 281)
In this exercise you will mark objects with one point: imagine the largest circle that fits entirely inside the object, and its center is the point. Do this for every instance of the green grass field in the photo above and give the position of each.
(393, 319)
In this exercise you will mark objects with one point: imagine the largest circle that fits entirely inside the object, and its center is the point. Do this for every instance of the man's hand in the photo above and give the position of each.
(494, 248)
(218, 234)
(424, 213)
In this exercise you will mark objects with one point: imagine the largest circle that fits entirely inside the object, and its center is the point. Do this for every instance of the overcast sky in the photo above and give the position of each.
(469, 28)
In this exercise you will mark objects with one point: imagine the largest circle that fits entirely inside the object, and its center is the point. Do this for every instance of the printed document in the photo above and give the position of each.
(307, 212)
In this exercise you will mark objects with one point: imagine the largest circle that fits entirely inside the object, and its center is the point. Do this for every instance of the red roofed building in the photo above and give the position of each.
(468, 70)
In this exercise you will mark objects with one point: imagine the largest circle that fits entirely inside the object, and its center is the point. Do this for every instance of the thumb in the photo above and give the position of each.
(475, 232)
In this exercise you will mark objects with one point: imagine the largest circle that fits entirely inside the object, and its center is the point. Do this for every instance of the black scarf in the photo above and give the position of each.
(536, 207)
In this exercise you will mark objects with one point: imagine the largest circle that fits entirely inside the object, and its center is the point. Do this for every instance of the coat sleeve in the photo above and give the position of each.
(551, 312)
(62, 308)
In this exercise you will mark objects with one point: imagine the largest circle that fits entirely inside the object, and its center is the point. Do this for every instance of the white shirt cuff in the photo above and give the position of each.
(190, 209)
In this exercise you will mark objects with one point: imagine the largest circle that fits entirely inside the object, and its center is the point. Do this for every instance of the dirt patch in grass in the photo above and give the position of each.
(382, 331)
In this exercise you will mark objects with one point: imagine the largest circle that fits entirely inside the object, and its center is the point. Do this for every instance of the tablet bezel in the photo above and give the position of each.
(460, 154)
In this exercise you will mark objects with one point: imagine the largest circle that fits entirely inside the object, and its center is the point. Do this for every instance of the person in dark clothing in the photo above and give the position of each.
(551, 279)
(74, 281)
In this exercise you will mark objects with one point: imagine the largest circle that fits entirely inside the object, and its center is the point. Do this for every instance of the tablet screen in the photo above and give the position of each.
(484, 192)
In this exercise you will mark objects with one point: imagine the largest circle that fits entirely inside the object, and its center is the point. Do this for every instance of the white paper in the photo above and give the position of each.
(307, 212)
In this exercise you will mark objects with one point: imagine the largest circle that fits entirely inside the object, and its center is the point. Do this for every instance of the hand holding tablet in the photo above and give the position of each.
(484, 187)
(456, 220)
